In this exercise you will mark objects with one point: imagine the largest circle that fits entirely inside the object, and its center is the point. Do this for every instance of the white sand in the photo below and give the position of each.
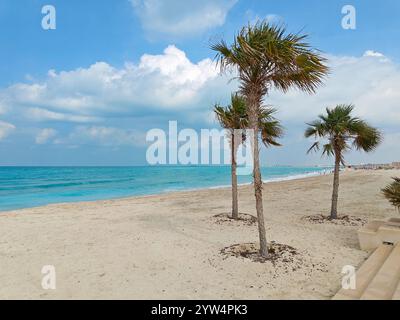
(168, 246)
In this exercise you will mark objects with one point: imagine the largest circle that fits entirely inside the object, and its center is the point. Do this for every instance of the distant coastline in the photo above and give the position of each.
(375, 166)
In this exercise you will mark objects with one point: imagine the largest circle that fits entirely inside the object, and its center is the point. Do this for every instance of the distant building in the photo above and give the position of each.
(396, 165)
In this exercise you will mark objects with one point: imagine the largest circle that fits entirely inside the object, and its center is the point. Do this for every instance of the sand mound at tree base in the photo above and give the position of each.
(244, 219)
(345, 220)
(279, 254)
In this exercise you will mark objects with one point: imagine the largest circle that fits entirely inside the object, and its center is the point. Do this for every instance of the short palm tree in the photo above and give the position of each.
(265, 56)
(342, 131)
(234, 118)
(392, 193)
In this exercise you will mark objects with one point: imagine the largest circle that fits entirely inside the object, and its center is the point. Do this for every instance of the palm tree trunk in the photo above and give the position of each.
(253, 105)
(335, 194)
(235, 205)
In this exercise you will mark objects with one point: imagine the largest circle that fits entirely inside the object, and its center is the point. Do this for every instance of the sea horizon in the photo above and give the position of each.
(24, 187)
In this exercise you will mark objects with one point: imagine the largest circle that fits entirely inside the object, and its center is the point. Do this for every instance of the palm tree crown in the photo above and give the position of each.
(343, 132)
(235, 117)
(265, 55)
(392, 193)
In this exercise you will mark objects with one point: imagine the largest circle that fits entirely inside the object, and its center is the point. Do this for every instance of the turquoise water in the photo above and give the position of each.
(24, 187)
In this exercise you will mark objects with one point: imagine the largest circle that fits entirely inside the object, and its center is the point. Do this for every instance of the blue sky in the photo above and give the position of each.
(87, 92)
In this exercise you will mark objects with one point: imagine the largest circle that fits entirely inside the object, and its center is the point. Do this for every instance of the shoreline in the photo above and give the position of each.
(326, 172)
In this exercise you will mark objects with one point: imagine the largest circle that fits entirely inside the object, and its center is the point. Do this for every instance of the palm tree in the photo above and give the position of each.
(392, 193)
(265, 56)
(234, 118)
(342, 131)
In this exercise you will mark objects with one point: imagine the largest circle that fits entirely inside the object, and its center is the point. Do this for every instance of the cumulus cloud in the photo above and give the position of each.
(165, 82)
(39, 114)
(181, 18)
(371, 53)
(45, 135)
(171, 83)
(5, 129)
(104, 136)
(371, 82)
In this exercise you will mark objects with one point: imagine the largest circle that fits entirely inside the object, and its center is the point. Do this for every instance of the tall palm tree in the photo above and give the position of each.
(234, 118)
(392, 193)
(265, 56)
(342, 131)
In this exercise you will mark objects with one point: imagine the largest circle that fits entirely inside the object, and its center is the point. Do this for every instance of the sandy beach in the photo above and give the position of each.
(168, 246)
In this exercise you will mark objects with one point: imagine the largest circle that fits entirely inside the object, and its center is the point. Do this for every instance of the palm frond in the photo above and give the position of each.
(328, 150)
(270, 128)
(315, 147)
(366, 137)
(392, 193)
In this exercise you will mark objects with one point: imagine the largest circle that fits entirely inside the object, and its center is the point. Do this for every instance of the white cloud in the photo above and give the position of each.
(105, 136)
(270, 18)
(169, 81)
(181, 18)
(39, 114)
(391, 143)
(3, 109)
(45, 135)
(371, 82)
(375, 54)
(371, 53)
(274, 18)
(5, 129)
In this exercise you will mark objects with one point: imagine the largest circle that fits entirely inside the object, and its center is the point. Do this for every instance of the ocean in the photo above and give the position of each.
(26, 187)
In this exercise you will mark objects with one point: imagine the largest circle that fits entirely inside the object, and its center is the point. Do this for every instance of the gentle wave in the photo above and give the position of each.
(287, 178)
